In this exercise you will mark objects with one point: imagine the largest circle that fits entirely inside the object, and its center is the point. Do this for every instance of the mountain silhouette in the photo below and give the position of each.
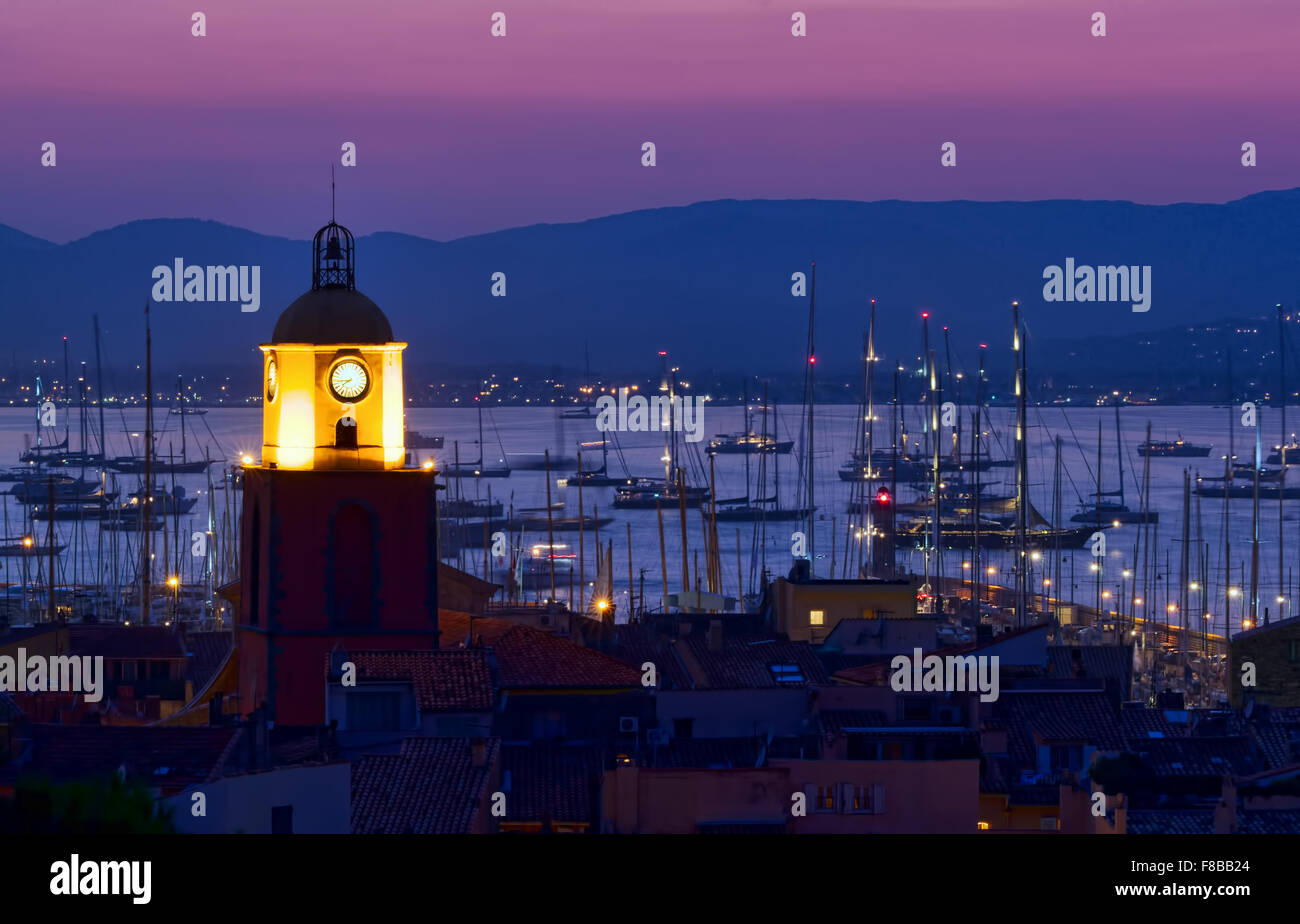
(710, 282)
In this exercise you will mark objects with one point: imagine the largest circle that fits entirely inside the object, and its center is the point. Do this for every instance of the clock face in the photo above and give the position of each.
(272, 380)
(349, 380)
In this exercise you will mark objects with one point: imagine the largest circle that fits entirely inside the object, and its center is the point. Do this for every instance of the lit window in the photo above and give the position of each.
(983, 825)
(817, 618)
(786, 673)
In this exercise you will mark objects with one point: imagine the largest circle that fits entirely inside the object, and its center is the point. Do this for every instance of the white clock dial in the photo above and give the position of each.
(272, 380)
(348, 380)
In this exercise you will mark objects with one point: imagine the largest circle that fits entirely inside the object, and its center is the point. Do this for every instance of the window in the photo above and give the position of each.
(983, 825)
(1047, 823)
(817, 618)
(786, 673)
(345, 433)
(1293, 650)
(282, 819)
(865, 799)
(821, 798)
(1067, 757)
(372, 711)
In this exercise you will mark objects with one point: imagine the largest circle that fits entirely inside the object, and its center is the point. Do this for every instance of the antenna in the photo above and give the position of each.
(331, 194)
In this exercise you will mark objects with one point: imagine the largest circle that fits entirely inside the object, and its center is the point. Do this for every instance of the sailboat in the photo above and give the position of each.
(747, 442)
(600, 477)
(745, 510)
(1101, 512)
(476, 469)
(137, 465)
(585, 410)
(649, 493)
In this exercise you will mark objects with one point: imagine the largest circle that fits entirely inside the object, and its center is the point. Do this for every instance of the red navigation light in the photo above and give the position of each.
(984, 346)
(663, 352)
(925, 314)
(882, 496)
(812, 359)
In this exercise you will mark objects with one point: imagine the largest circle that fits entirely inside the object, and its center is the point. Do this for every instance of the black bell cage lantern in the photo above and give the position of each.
(332, 257)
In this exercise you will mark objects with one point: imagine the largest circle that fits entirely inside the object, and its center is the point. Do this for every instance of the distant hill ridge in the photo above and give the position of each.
(710, 282)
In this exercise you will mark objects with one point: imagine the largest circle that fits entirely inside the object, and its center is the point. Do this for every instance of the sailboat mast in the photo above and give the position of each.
(1119, 452)
(866, 489)
(871, 390)
(951, 392)
(1099, 486)
(936, 397)
(1282, 444)
(1183, 574)
(925, 361)
(99, 388)
(812, 362)
(1281, 377)
(180, 406)
(146, 520)
(897, 426)
(1022, 464)
(748, 433)
(975, 465)
(67, 402)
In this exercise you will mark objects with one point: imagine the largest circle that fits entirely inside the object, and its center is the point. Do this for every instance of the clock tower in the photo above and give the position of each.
(339, 542)
(332, 373)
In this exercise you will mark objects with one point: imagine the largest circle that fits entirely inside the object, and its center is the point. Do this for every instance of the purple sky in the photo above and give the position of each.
(461, 133)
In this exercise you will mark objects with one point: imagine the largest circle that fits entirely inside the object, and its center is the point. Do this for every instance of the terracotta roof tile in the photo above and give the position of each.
(529, 658)
(170, 757)
(551, 781)
(1213, 757)
(431, 787)
(1170, 821)
(745, 662)
(445, 681)
(636, 644)
(1084, 716)
(1104, 662)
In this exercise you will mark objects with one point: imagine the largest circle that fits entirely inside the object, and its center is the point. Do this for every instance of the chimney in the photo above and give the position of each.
(259, 740)
(715, 635)
(478, 752)
(1225, 813)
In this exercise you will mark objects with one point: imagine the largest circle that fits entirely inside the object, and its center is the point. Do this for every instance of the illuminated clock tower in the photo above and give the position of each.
(339, 540)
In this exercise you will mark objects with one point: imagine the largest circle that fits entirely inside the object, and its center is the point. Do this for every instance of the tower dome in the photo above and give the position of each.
(333, 311)
(333, 373)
